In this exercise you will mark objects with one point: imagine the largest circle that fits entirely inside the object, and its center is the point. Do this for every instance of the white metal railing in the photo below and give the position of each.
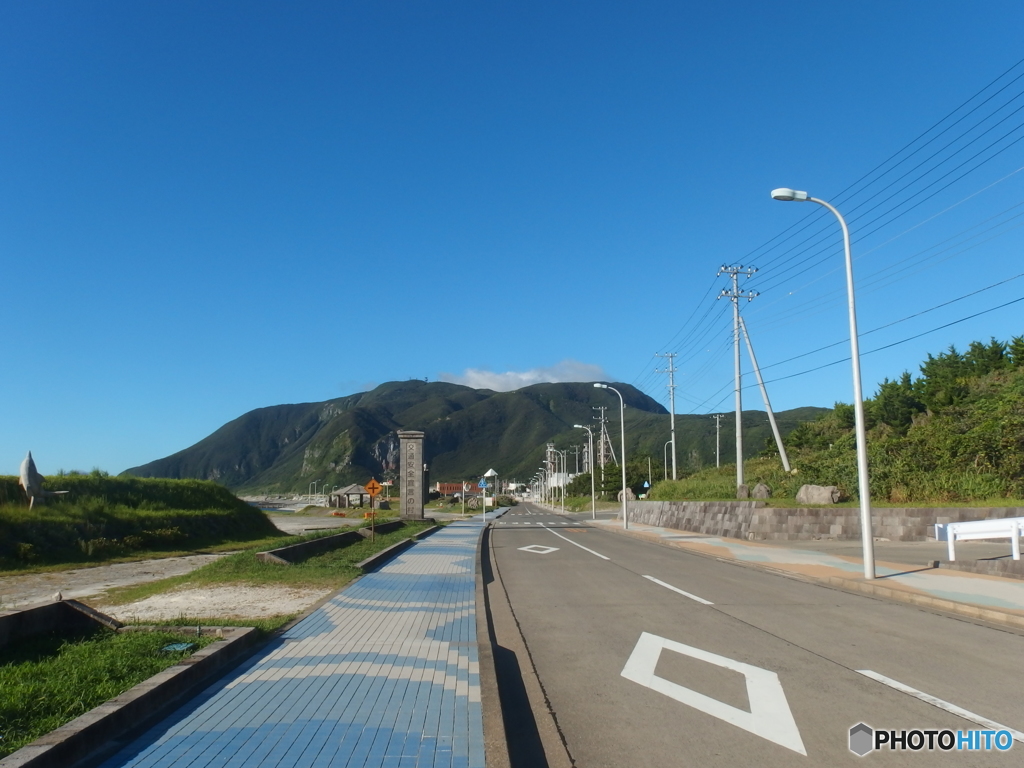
(1002, 528)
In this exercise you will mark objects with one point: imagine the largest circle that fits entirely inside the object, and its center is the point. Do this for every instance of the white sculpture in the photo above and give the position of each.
(32, 482)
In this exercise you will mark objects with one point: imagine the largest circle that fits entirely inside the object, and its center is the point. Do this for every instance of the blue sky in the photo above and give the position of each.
(207, 208)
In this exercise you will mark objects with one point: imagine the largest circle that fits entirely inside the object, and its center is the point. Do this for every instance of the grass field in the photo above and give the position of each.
(47, 681)
(105, 519)
(330, 570)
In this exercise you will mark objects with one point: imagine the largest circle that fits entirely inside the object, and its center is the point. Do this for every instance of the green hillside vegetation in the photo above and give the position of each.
(953, 434)
(284, 448)
(108, 517)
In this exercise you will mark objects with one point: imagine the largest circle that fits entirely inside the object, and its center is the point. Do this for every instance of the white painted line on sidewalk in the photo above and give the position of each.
(603, 557)
(677, 589)
(936, 702)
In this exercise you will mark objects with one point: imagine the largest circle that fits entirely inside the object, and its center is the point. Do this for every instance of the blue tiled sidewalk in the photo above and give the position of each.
(385, 674)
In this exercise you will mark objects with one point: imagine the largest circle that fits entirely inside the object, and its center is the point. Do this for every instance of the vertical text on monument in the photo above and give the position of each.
(411, 457)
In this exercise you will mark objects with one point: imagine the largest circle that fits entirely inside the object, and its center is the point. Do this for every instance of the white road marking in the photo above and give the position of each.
(936, 702)
(677, 589)
(539, 549)
(769, 716)
(603, 557)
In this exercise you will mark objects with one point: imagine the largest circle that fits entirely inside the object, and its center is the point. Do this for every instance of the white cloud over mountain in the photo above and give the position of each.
(567, 370)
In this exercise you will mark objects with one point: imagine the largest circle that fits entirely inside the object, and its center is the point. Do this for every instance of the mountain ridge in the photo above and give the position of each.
(349, 439)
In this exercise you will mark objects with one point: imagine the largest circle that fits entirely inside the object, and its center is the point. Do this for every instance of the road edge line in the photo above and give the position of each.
(935, 701)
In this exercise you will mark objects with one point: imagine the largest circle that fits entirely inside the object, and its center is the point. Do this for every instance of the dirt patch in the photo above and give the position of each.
(226, 601)
(92, 583)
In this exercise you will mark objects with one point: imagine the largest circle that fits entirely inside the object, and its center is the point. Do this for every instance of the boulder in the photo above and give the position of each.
(630, 496)
(761, 491)
(742, 491)
(817, 494)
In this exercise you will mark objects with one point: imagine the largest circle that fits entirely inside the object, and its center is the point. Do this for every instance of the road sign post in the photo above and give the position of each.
(482, 485)
(372, 488)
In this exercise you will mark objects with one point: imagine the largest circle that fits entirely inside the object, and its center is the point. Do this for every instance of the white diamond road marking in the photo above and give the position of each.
(537, 549)
(769, 716)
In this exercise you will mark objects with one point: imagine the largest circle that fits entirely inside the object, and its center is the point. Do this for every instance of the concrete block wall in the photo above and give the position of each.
(67, 616)
(754, 521)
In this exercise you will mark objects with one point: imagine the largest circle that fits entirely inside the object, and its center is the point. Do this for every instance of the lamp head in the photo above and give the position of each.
(785, 193)
(599, 385)
(578, 426)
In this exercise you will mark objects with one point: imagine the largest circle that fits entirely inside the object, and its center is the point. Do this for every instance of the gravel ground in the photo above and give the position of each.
(226, 601)
(91, 584)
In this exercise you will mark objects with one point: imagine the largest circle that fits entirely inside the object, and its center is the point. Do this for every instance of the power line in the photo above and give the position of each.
(901, 341)
(897, 322)
(916, 205)
(842, 194)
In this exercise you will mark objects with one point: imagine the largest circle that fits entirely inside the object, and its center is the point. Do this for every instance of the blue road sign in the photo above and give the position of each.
(482, 484)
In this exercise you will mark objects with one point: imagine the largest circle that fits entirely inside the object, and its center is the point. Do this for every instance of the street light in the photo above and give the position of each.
(593, 496)
(664, 453)
(622, 423)
(863, 486)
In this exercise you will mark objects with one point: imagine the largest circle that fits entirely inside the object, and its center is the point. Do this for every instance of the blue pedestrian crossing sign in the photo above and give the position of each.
(482, 484)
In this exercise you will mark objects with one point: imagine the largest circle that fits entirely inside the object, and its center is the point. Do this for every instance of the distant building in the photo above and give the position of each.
(453, 489)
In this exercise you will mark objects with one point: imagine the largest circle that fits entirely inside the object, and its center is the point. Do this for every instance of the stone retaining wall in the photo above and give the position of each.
(753, 520)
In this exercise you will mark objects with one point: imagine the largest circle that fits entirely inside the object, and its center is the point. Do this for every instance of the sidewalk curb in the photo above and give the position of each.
(495, 738)
(967, 610)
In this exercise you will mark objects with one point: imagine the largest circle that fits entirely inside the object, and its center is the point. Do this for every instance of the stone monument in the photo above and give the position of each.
(411, 458)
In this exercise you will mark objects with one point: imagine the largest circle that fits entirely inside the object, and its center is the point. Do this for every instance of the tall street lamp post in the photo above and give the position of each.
(593, 495)
(622, 445)
(863, 486)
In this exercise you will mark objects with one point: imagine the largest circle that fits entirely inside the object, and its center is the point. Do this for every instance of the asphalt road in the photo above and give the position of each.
(655, 657)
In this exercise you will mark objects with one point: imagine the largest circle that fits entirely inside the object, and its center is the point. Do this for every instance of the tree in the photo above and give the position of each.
(636, 476)
(580, 485)
(895, 404)
(943, 380)
(1016, 351)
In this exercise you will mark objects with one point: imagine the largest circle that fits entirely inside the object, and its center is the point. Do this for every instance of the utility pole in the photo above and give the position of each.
(767, 403)
(718, 434)
(576, 451)
(604, 446)
(734, 296)
(671, 370)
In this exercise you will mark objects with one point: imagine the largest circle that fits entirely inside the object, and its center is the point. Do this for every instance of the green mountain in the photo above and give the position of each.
(286, 447)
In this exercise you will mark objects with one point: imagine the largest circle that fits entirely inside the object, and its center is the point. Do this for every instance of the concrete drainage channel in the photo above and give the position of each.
(100, 732)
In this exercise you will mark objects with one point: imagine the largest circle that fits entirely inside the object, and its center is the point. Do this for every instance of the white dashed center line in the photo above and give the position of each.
(681, 592)
(598, 554)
